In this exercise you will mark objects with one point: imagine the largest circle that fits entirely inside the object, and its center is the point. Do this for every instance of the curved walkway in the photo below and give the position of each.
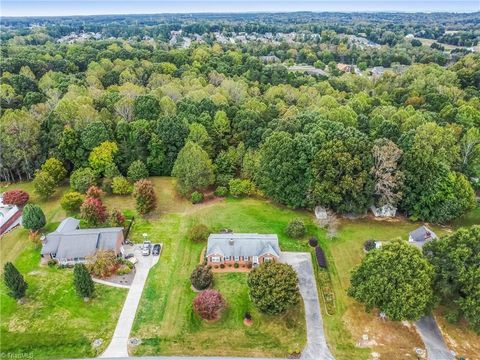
(118, 347)
(316, 348)
(433, 339)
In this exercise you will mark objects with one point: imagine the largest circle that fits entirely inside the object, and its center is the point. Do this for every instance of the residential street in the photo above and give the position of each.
(119, 345)
(316, 348)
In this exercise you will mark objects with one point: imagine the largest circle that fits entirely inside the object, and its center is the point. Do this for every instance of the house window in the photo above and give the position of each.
(237, 258)
(267, 259)
(245, 258)
(215, 259)
(226, 258)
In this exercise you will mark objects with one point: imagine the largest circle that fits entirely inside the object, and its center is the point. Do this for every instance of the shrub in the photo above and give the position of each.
(221, 191)
(241, 187)
(95, 192)
(121, 186)
(81, 179)
(248, 316)
(116, 218)
(198, 233)
(273, 287)
(15, 197)
(313, 241)
(201, 277)
(83, 281)
(103, 263)
(369, 245)
(144, 194)
(137, 171)
(55, 169)
(209, 304)
(43, 184)
(33, 217)
(295, 229)
(51, 263)
(222, 266)
(196, 197)
(321, 259)
(71, 201)
(14, 281)
(124, 270)
(93, 211)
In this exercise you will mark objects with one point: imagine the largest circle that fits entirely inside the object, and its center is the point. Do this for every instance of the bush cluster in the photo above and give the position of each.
(295, 229)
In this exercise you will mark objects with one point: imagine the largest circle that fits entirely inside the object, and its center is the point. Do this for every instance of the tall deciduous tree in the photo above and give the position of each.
(396, 279)
(455, 259)
(44, 184)
(193, 169)
(55, 169)
(388, 178)
(273, 287)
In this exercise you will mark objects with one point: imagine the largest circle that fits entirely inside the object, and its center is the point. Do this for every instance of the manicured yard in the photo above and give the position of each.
(54, 322)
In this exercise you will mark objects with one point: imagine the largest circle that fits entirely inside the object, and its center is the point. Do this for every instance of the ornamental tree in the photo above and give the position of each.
(455, 259)
(273, 287)
(43, 184)
(137, 171)
(93, 211)
(295, 229)
(201, 277)
(14, 281)
(144, 194)
(121, 186)
(15, 197)
(396, 279)
(33, 217)
(83, 281)
(116, 218)
(95, 192)
(55, 169)
(209, 304)
(81, 179)
(71, 201)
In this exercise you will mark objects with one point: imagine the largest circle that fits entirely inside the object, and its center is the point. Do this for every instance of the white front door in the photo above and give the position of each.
(255, 259)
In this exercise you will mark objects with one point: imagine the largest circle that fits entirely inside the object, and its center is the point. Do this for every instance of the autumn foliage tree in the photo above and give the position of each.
(209, 304)
(93, 211)
(15, 197)
(144, 194)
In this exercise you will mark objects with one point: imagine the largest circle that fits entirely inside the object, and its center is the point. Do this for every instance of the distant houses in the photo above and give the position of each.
(69, 244)
(246, 250)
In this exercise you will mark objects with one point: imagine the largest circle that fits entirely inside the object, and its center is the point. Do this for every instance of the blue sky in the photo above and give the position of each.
(92, 7)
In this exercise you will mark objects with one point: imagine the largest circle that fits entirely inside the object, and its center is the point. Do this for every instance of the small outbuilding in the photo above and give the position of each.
(421, 235)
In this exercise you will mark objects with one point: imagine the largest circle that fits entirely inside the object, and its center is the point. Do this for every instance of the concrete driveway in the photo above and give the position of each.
(118, 347)
(316, 348)
(433, 339)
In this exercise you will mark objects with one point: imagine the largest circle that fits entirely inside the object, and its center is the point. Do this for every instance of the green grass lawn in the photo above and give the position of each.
(165, 320)
(54, 322)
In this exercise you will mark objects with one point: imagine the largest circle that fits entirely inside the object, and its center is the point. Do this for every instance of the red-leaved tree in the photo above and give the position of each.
(95, 192)
(144, 194)
(93, 211)
(209, 304)
(15, 197)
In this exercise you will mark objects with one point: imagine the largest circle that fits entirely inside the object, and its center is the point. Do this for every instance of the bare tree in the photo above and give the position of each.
(388, 179)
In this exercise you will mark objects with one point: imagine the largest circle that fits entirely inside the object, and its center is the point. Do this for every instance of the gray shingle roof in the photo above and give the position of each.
(68, 224)
(243, 244)
(69, 244)
(422, 233)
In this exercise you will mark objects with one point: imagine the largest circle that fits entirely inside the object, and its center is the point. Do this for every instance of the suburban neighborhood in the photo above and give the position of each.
(252, 180)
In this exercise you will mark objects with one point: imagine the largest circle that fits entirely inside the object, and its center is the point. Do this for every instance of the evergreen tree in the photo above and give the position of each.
(14, 281)
(33, 217)
(83, 281)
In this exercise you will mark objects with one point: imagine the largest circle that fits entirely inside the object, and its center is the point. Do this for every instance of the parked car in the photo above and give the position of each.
(128, 256)
(156, 250)
(146, 248)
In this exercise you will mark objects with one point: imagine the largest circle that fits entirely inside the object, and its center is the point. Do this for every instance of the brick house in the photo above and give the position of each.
(250, 250)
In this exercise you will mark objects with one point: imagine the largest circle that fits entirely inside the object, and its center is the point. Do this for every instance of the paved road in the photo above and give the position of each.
(316, 348)
(433, 339)
(118, 347)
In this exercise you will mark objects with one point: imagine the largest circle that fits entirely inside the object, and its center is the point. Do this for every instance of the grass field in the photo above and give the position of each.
(165, 321)
(54, 322)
